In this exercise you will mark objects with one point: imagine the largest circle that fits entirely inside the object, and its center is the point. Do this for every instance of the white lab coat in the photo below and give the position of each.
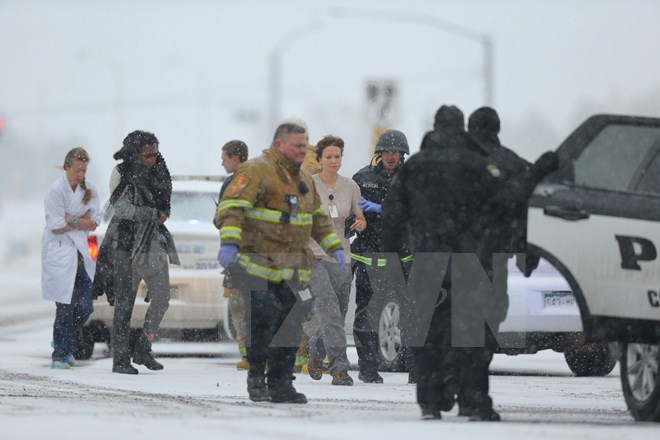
(59, 252)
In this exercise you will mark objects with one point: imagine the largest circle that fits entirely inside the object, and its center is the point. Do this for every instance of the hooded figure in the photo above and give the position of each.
(448, 126)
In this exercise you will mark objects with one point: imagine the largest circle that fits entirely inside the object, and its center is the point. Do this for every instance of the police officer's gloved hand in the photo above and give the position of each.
(546, 164)
(227, 254)
(341, 259)
(368, 206)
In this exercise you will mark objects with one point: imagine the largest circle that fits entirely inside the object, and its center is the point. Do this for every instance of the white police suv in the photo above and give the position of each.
(597, 220)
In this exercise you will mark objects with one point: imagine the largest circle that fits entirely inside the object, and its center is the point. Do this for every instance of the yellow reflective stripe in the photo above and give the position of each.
(361, 259)
(234, 203)
(406, 259)
(267, 215)
(320, 212)
(329, 240)
(274, 216)
(263, 272)
(380, 262)
(304, 275)
(231, 232)
(302, 220)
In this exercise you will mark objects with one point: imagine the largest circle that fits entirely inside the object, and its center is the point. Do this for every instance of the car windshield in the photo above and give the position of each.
(193, 206)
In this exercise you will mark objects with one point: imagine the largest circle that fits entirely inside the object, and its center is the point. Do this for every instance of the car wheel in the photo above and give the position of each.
(228, 324)
(591, 359)
(640, 380)
(389, 338)
(83, 343)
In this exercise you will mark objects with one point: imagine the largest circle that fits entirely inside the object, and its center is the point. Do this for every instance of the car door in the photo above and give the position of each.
(598, 220)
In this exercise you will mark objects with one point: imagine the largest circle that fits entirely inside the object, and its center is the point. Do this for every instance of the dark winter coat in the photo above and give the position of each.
(137, 201)
(374, 183)
(223, 188)
(509, 231)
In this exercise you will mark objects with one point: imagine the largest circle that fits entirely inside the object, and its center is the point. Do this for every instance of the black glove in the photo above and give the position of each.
(546, 164)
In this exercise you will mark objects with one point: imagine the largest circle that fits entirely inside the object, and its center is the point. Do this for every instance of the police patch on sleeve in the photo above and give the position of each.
(493, 170)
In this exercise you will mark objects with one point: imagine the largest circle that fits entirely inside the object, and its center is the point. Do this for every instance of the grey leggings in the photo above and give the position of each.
(158, 285)
(331, 290)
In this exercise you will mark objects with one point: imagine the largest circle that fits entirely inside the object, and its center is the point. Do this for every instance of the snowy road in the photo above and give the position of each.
(199, 397)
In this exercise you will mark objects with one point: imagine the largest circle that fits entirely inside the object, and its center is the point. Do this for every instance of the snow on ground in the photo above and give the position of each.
(204, 396)
(201, 395)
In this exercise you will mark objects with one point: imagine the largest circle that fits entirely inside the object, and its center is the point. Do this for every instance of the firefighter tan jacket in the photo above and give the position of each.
(269, 215)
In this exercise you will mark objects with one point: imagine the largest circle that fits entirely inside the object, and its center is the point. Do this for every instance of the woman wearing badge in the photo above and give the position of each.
(331, 287)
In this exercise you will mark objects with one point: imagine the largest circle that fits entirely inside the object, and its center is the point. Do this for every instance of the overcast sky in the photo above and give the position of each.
(196, 73)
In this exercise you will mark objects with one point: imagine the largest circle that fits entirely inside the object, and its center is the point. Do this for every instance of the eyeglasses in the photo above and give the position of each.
(149, 155)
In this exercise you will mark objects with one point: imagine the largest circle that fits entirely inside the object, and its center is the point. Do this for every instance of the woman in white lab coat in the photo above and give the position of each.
(67, 269)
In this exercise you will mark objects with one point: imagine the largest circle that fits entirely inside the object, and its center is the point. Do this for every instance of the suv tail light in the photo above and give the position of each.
(93, 246)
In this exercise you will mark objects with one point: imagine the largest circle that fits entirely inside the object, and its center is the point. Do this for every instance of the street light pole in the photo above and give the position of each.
(275, 68)
(438, 23)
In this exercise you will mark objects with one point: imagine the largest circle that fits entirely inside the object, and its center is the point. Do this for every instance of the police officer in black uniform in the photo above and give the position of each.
(456, 201)
(505, 234)
(366, 251)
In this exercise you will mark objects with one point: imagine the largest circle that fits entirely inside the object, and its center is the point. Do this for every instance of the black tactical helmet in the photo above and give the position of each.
(392, 140)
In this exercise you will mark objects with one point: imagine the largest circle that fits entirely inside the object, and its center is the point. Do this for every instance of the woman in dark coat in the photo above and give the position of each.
(136, 247)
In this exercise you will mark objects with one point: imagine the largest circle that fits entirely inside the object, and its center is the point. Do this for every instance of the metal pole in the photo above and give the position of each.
(489, 71)
(275, 69)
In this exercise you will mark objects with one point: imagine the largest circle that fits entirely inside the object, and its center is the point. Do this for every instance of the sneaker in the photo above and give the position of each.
(69, 357)
(342, 378)
(70, 360)
(60, 365)
(243, 364)
(315, 368)
(370, 377)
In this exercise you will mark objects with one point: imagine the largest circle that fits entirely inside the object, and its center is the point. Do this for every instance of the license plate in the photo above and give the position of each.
(558, 299)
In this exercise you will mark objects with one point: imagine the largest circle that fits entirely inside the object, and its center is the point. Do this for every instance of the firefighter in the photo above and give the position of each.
(266, 218)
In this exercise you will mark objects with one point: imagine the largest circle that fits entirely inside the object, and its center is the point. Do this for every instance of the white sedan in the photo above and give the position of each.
(197, 308)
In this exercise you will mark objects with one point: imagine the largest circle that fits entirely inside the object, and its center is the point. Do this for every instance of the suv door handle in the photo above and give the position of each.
(566, 212)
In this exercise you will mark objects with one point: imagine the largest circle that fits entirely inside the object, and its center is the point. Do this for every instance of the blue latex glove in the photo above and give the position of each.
(227, 254)
(341, 259)
(368, 206)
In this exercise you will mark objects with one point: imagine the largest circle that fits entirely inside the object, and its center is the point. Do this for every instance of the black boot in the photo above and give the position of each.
(256, 386)
(371, 376)
(124, 368)
(143, 356)
(450, 387)
(282, 391)
(484, 415)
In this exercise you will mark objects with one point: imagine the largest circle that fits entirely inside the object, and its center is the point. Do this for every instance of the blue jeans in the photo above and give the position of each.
(70, 317)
